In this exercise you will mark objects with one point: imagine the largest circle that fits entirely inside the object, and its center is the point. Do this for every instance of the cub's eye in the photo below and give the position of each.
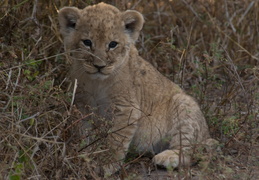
(113, 44)
(87, 42)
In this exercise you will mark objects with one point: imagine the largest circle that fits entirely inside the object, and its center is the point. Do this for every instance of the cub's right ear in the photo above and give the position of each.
(68, 17)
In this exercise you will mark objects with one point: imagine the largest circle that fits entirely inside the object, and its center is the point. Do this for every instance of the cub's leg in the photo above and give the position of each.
(120, 137)
(187, 128)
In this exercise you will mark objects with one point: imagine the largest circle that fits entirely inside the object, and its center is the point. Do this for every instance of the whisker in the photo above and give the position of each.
(80, 50)
(78, 72)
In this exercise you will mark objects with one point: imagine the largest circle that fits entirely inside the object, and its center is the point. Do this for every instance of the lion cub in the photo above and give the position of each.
(148, 112)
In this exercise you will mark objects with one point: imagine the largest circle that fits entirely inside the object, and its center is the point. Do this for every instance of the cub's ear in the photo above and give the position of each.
(133, 22)
(68, 17)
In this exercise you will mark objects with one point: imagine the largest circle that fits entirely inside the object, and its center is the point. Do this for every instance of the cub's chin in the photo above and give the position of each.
(98, 76)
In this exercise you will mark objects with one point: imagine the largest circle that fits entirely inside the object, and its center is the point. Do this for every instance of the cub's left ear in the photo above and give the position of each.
(133, 22)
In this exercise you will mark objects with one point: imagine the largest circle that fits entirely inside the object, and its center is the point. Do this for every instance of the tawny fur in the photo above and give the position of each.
(149, 112)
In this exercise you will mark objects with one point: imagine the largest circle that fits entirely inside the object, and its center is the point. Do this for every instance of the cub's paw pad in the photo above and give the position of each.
(167, 158)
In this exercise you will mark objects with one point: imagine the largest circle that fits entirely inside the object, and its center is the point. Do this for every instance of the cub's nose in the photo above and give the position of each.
(99, 67)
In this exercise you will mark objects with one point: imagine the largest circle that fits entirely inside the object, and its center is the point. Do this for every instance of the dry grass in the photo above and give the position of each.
(209, 47)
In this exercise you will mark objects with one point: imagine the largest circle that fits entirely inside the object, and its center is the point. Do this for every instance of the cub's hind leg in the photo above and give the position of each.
(178, 153)
(187, 128)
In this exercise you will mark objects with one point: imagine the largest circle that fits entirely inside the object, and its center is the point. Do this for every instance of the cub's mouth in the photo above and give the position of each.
(99, 75)
(99, 72)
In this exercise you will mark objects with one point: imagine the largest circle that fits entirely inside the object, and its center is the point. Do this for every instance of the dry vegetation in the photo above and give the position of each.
(209, 47)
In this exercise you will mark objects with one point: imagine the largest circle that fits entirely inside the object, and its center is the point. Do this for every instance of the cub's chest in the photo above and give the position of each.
(105, 96)
(97, 97)
(94, 96)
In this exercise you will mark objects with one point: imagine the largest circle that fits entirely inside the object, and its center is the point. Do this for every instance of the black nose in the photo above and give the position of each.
(98, 67)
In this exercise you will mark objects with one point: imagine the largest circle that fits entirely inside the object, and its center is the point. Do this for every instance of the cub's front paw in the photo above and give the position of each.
(170, 159)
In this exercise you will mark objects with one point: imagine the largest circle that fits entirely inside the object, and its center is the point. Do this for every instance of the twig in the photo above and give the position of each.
(73, 97)
(135, 5)
(43, 59)
(229, 19)
(5, 102)
(28, 118)
(9, 78)
(193, 11)
(78, 120)
(33, 15)
(247, 10)
(182, 66)
(240, 46)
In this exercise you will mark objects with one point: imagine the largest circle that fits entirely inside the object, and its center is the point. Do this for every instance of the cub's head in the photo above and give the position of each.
(98, 38)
